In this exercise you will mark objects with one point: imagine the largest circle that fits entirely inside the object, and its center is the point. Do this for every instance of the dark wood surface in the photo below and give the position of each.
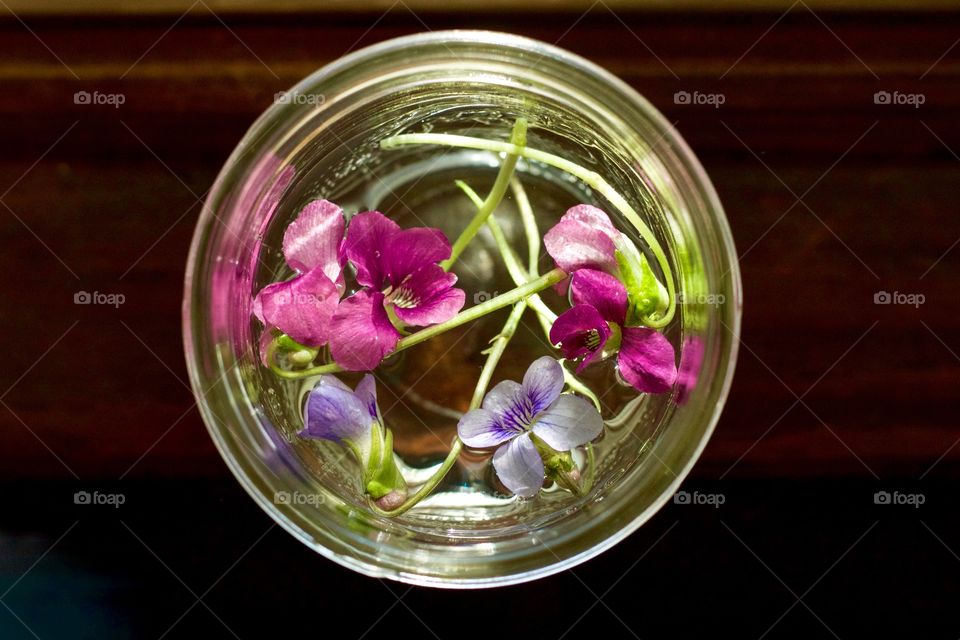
(101, 198)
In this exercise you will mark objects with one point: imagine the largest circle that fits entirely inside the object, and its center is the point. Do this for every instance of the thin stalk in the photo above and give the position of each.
(529, 226)
(518, 138)
(588, 177)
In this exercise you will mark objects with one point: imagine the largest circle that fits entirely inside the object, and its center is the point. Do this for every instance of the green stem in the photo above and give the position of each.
(493, 358)
(473, 313)
(529, 226)
(590, 178)
(518, 138)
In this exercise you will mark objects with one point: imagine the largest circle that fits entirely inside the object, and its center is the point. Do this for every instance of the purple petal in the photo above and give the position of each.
(361, 334)
(333, 412)
(691, 359)
(519, 466)
(481, 429)
(574, 332)
(601, 291)
(570, 422)
(314, 240)
(542, 383)
(411, 249)
(367, 235)
(510, 406)
(584, 238)
(367, 392)
(302, 307)
(647, 360)
(427, 297)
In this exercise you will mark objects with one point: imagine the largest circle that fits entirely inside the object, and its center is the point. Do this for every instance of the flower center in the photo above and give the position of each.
(402, 297)
(592, 341)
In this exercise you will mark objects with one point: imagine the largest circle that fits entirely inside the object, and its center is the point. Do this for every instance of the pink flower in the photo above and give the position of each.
(584, 239)
(303, 306)
(593, 328)
(399, 271)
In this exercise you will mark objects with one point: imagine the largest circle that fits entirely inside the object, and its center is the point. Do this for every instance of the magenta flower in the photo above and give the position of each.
(303, 306)
(513, 414)
(400, 275)
(584, 239)
(593, 328)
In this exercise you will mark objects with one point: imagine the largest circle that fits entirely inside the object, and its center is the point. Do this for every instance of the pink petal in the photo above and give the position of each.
(314, 240)
(647, 360)
(302, 307)
(367, 236)
(584, 238)
(430, 292)
(572, 329)
(361, 335)
(601, 291)
(412, 249)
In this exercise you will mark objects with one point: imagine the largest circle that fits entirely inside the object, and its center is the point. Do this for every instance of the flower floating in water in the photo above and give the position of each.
(531, 424)
(593, 328)
(303, 306)
(403, 286)
(352, 418)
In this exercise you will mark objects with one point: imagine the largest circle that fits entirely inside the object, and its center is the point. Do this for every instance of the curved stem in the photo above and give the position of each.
(518, 138)
(473, 313)
(529, 226)
(590, 178)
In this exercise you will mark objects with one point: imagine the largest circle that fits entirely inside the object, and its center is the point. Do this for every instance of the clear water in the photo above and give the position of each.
(423, 391)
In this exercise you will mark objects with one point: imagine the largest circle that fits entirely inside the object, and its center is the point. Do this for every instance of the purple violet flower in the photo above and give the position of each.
(352, 418)
(401, 278)
(593, 328)
(513, 415)
(303, 306)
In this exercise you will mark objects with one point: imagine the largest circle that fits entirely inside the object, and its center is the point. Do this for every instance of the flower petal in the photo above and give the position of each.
(601, 291)
(647, 360)
(333, 412)
(411, 249)
(480, 429)
(542, 383)
(367, 235)
(432, 295)
(314, 240)
(509, 404)
(691, 360)
(584, 238)
(302, 307)
(573, 331)
(570, 422)
(361, 334)
(367, 392)
(519, 466)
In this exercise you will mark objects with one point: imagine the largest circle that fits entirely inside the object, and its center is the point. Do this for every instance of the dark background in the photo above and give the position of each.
(832, 198)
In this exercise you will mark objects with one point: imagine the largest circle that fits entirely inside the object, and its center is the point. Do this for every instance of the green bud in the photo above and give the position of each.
(382, 479)
(645, 294)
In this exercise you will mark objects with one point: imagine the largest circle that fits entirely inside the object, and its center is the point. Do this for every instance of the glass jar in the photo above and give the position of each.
(321, 139)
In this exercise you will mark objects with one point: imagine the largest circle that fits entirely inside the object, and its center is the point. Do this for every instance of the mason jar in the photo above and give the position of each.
(321, 139)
